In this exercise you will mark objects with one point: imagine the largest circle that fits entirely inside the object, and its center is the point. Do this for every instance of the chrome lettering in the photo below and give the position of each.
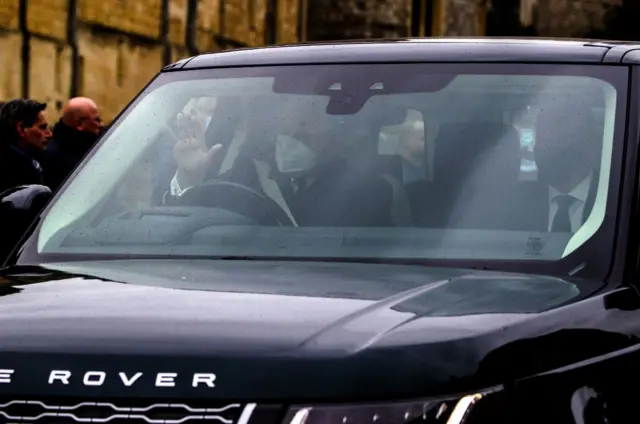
(98, 378)
(5, 376)
(94, 378)
(207, 379)
(62, 376)
(166, 379)
(129, 381)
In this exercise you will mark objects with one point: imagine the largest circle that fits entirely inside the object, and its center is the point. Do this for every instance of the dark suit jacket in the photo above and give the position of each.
(517, 206)
(483, 208)
(534, 204)
(340, 196)
(64, 152)
(337, 197)
(18, 168)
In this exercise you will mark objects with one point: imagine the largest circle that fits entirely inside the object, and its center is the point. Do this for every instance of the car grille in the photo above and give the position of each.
(66, 412)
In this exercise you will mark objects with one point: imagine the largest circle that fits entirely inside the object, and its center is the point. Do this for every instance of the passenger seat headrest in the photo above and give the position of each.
(481, 149)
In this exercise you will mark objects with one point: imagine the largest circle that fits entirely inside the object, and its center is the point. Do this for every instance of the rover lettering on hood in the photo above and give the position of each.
(98, 378)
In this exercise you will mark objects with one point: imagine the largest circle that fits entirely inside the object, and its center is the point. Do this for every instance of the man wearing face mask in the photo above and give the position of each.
(308, 178)
(322, 183)
(297, 160)
(567, 155)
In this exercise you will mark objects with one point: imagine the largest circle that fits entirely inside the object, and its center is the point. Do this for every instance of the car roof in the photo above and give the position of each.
(449, 49)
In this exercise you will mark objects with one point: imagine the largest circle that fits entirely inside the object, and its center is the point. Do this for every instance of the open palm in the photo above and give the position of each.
(190, 150)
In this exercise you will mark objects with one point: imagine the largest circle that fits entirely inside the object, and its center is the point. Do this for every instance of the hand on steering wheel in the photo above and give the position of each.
(239, 199)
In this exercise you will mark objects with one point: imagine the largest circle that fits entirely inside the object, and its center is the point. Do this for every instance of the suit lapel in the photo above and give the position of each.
(535, 205)
(591, 197)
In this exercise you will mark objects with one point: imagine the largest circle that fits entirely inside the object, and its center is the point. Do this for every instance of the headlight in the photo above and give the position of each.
(431, 411)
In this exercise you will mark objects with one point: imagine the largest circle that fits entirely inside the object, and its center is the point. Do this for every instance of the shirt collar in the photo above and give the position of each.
(579, 192)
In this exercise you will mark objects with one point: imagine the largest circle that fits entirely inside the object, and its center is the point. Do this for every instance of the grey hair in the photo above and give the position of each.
(413, 122)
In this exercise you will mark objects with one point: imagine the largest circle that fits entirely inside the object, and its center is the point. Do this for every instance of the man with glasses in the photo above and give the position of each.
(73, 136)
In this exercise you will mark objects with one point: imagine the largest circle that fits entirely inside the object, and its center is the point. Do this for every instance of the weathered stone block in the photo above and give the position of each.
(114, 69)
(243, 22)
(177, 22)
(356, 19)
(9, 14)
(257, 13)
(208, 16)
(140, 17)
(10, 79)
(204, 41)
(47, 17)
(288, 21)
(207, 23)
(178, 53)
(50, 74)
(236, 23)
(462, 18)
(570, 18)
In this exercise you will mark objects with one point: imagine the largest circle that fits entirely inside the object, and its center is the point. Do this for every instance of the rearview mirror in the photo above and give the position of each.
(19, 206)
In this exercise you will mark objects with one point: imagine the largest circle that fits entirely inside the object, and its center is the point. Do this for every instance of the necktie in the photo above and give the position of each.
(562, 220)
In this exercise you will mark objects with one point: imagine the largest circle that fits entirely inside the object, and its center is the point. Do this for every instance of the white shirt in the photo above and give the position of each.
(580, 194)
(175, 186)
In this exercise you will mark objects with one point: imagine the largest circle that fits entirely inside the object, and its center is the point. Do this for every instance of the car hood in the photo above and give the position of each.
(291, 329)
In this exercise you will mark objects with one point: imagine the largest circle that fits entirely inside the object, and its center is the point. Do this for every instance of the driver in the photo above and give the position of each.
(307, 176)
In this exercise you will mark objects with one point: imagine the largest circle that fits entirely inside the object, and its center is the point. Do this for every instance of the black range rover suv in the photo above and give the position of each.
(407, 231)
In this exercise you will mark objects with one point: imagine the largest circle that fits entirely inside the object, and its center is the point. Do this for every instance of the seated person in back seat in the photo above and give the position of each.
(412, 148)
(406, 149)
(313, 183)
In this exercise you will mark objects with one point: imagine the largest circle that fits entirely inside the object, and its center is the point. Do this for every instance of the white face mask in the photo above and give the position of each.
(292, 156)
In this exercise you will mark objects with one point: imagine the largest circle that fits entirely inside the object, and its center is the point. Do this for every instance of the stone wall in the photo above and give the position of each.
(614, 19)
(358, 19)
(463, 17)
(570, 18)
(620, 22)
(109, 49)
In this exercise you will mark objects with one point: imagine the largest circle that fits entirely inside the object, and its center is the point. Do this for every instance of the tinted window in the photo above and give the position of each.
(382, 162)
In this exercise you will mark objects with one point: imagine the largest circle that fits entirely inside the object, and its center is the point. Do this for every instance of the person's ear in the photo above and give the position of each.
(20, 129)
(78, 124)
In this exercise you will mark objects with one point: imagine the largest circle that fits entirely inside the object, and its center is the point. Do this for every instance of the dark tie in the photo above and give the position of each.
(562, 221)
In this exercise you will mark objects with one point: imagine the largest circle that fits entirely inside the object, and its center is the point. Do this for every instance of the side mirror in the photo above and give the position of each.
(19, 206)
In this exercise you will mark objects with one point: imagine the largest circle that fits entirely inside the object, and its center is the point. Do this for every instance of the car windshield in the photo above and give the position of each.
(470, 163)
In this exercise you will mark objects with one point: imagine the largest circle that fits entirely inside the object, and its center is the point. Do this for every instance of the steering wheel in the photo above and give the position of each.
(236, 198)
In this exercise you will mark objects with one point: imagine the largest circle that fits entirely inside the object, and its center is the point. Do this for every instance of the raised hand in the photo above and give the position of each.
(190, 151)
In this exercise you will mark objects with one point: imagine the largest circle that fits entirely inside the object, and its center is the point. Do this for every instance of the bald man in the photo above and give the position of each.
(73, 136)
